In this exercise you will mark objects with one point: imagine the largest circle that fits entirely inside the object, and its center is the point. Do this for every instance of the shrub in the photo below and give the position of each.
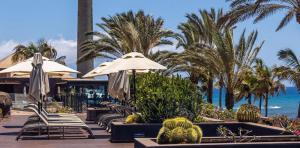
(209, 110)
(65, 110)
(199, 119)
(248, 113)
(134, 118)
(226, 114)
(160, 97)
(282, 121)
(179, 130)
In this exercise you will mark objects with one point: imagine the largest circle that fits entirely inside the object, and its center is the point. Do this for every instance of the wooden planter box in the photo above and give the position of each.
(265, 142)
(92, 114)
(121, 132)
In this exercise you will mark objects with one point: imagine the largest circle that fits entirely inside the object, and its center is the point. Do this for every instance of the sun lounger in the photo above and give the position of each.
(45, 124)
(51, 114)
(70, 119)
(106, 120)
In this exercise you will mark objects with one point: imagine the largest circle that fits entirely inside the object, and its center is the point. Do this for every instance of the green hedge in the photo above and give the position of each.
(160, 97)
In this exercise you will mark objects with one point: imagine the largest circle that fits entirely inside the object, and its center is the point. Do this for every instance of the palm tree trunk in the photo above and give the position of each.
(249, 99)
(220, 96)
(260, 99)
(266, 105)
(298, 13)
(194, 79)
(229, 99)
(210, 90)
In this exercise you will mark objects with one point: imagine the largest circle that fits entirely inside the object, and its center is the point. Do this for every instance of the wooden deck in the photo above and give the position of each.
(9, 128)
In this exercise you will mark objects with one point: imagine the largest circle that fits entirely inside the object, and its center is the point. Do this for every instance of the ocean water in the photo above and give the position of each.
(284, 104)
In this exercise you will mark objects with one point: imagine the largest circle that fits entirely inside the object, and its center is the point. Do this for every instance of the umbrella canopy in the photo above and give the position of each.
(104, 69)
(133, 61)
(38, 83)
(98, 70)
(118, 85)
(49, 66)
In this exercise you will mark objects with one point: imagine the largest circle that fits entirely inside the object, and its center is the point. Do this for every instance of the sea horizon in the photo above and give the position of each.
(284, 104)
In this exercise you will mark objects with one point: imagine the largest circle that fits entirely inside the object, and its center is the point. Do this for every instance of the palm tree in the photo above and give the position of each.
(227, 59)
(247, 86)
(209, 44)
(196, 33)
(291, 70)
(220, 84)
(127, 32)
(23, 52)
(233, 59)
(261, 9)
(268, 83)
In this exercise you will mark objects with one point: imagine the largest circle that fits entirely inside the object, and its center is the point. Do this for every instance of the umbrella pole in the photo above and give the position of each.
(134, 88)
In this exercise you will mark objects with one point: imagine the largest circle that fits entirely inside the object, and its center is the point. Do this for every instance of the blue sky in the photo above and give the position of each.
(56, 20)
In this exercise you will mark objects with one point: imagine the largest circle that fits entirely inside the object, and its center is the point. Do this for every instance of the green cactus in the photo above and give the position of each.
(191, 135)
(178, 135)
(248, 113)
(199, 133)
(183, 122)
(169, 123)
(163, 136)
(179, 130)
(134, 118)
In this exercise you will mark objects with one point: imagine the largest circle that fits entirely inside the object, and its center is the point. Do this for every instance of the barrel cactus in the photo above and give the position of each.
(179, 130)
(248, 113)
(163, 135)
(199, 133)
(134, 118)
(191, 135)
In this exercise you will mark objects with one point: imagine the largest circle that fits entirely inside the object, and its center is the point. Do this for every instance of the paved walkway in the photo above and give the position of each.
(10, 127)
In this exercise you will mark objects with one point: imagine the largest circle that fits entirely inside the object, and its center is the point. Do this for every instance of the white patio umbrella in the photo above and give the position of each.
(104, 69)
(49, 67)
(133, 61)
(98, 71)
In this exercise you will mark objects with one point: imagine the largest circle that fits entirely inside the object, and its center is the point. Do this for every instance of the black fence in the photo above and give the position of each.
(74, 101)
(80, 102)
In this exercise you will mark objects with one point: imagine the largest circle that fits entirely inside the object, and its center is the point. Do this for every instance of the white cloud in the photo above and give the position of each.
(6, 47)
(64, 47)
(168, 47)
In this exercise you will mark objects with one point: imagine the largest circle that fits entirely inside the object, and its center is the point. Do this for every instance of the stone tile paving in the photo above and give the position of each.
(10, 127)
